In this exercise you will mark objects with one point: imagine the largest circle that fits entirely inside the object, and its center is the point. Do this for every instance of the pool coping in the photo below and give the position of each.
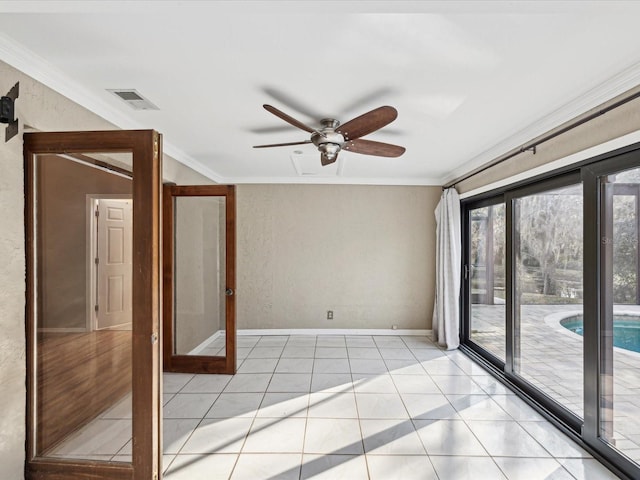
(553, 321)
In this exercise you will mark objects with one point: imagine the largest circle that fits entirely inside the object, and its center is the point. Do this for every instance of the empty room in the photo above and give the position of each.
(320, 240)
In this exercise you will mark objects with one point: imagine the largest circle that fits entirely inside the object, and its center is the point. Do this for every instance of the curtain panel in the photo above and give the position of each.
(446, 312)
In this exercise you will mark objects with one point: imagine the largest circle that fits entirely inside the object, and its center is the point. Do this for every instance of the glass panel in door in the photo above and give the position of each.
(199, 278)
(620, 316)
(548, 255)
(487, 278)
(84, 318)
(199, 282)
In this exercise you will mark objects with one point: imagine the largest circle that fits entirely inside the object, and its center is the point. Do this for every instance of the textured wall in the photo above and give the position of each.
(12, 295)
(45, 110)
(365, 252)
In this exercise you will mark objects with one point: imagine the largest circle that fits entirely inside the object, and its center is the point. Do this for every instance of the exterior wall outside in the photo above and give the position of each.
(365, 252)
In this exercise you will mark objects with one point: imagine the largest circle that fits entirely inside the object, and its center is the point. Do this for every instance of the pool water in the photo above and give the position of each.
(626, 330)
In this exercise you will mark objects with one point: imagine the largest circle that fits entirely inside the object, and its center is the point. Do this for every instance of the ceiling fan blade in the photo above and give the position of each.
(282, 144)
(369, 147)
(290, 102)
(275, 129)
(366, 99)
(368, 122)
(324, 160)
(288, 119)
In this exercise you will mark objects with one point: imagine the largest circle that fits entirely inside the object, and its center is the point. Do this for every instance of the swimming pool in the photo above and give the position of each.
(626, 330)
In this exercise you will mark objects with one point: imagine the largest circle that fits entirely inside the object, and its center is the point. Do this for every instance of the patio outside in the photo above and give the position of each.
(552, 356)
(547, 242)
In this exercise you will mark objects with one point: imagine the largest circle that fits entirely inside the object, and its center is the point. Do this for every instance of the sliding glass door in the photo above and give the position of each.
(615, 424)
(547, 252)
(486, 274)
(552, 298)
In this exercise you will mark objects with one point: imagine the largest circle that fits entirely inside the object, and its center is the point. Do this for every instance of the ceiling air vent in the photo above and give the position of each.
(133, 99)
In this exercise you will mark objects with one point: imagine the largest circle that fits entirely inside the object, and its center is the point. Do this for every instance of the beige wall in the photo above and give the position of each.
(614, 124)
(365, 252)
(45, 110)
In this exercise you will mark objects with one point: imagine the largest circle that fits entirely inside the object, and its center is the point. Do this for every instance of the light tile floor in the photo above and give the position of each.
(355, 407)
(364, 407)
(552, 357)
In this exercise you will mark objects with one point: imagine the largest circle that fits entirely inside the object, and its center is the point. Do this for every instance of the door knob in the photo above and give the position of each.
(228, 292)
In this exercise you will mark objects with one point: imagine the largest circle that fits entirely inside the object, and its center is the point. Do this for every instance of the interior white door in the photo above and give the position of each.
(114, 262)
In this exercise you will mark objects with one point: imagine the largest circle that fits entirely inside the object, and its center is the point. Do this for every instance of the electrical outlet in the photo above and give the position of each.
(329, 314)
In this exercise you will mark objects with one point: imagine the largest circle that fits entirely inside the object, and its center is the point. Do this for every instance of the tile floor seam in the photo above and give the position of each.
(364, 450)
(464, 385)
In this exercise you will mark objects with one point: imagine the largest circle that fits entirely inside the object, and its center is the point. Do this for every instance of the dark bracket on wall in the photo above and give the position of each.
(7, 112)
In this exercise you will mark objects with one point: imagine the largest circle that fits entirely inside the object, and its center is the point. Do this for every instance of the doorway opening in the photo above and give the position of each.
(109, 260)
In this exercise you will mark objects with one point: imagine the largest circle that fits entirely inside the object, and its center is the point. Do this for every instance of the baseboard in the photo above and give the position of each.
(313, 331)
(204, 344)
(336, 331)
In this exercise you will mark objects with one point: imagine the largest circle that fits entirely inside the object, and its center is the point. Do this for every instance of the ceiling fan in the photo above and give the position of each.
(332, 137)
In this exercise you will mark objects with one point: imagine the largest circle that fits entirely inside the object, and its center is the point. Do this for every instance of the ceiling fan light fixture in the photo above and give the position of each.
(330, 141)
(331, 150)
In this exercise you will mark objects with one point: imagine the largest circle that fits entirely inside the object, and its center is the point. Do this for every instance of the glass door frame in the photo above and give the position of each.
(506, 368)
(146, 149)
(597, 223)
(198, 363)
(513, 338)
(466, 301)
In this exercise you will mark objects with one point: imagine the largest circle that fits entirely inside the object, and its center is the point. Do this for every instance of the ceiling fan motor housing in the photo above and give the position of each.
(327, 139)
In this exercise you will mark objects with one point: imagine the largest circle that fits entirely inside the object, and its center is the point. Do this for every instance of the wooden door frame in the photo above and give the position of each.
(198, 363)
(146, 149)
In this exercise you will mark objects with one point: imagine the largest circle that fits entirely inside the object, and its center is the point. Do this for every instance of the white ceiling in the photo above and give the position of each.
(470, 80)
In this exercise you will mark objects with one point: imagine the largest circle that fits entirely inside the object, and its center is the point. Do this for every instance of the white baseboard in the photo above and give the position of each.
(335, 331)
(314, 331)
(204, 344)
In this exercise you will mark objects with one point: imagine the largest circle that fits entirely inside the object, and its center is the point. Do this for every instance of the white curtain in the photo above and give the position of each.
(446, 311)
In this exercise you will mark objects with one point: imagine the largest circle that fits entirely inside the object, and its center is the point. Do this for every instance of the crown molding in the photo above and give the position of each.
(605, 91)
(39, 69)
(318, 180)
(42, 71)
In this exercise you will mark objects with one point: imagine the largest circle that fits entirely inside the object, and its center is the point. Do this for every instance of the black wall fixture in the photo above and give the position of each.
(7, 111)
